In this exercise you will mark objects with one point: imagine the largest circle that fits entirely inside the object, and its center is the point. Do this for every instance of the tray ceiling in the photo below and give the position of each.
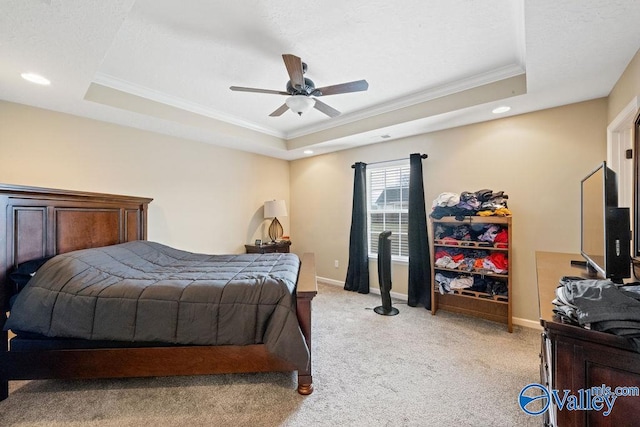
(166, 66)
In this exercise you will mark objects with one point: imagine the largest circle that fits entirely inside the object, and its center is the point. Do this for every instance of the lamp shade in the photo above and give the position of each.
(300, 103)
(275, 208)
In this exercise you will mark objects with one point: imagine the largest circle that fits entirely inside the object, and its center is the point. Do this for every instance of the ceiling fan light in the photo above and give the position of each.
(300, 103)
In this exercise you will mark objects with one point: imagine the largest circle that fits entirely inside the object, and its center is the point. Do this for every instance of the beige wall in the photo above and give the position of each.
(206, 198)
(626, 88)
(538, 159)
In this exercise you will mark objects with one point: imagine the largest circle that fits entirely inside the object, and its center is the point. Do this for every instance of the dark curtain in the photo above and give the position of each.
(358, 270)
(419, 258)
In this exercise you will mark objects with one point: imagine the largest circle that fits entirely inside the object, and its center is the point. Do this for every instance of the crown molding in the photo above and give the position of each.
(154, 95)
(426, 95)
(491, 76)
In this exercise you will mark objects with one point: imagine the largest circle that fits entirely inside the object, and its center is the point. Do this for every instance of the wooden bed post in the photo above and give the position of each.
(307, 289)
(5, 264)
(4, 376)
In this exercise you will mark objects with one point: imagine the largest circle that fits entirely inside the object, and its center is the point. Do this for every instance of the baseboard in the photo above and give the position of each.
(332, 282)
(525, 323)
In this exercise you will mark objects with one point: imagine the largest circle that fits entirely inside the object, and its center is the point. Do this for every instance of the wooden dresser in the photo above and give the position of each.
(573, 358)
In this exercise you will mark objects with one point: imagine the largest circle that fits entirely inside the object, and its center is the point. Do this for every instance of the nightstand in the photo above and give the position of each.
(269, 248)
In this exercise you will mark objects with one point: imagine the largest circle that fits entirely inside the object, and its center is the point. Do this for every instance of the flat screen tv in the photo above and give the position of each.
(605, 227)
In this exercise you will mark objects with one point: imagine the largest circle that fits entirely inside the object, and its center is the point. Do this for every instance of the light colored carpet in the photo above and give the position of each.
(413, 369)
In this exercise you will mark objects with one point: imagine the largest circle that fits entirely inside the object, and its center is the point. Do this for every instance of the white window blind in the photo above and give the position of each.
(388, 208)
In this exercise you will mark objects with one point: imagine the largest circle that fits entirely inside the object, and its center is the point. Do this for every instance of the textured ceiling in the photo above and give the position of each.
(166, 66)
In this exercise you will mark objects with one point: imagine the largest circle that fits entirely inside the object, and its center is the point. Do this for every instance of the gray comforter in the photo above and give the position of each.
(145, 291)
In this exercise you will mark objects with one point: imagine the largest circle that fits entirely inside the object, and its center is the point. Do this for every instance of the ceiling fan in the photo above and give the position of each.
(302, 91)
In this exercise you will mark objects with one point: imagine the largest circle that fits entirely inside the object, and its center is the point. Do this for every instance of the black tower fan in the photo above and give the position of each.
(384, 274)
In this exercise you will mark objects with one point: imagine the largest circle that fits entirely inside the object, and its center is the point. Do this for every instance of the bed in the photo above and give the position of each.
(38, 222)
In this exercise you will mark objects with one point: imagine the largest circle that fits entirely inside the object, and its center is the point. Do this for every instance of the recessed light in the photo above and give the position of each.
(35, 78)
(500, 110)
(308, 151)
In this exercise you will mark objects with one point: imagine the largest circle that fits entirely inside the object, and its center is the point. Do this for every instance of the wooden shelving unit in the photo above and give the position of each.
(495, 307)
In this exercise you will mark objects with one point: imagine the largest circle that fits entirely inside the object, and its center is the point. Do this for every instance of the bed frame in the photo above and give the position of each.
(38, 222)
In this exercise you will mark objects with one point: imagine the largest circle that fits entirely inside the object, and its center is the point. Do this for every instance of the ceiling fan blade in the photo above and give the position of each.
(329, 111)
(250, 89)
(279, 111)
(356, 86)
(294, 68)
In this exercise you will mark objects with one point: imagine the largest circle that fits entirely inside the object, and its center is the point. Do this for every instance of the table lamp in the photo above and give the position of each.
(274, 209)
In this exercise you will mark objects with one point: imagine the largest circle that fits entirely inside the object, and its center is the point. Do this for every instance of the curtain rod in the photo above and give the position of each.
(422, 156)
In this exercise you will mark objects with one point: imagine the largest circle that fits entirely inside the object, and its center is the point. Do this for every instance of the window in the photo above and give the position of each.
(388, 208)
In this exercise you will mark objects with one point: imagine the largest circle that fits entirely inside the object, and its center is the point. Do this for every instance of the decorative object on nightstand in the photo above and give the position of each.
(274, 209)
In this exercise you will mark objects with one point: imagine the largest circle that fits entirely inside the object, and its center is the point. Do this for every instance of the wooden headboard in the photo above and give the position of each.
(38, 222)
